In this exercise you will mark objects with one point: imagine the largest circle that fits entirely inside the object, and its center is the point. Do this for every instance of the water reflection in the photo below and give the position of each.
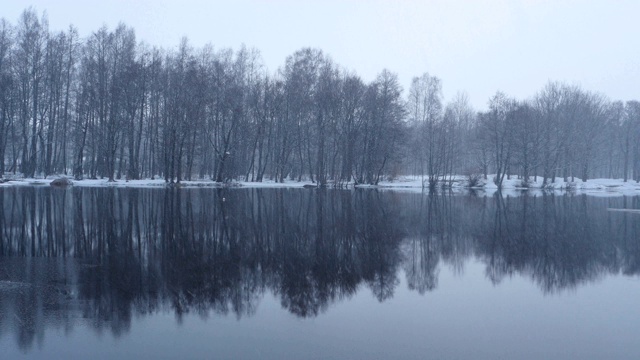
(103, 256)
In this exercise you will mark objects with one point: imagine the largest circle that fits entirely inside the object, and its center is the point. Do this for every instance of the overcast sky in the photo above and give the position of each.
(478, 47)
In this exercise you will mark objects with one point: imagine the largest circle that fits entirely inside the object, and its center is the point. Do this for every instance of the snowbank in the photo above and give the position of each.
(459, 184)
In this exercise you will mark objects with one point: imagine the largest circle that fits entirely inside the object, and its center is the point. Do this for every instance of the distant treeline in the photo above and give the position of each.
(111, 106)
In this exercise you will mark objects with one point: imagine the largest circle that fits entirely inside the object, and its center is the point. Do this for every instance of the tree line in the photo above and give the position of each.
(110, 106)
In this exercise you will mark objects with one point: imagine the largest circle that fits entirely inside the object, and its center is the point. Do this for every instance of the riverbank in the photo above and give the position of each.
(459, 184)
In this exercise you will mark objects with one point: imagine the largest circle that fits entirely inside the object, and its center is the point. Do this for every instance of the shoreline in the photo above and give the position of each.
(602, 187)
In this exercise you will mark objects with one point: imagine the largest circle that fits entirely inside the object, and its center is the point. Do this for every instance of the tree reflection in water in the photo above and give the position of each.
(106, 255)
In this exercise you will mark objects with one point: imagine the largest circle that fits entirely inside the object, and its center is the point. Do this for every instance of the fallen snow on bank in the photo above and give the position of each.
(602, 187)
(592, 186)
(153, 183)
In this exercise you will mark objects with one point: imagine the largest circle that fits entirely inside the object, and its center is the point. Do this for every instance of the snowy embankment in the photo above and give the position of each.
(605, 187)
(459, 184)
(18, 181)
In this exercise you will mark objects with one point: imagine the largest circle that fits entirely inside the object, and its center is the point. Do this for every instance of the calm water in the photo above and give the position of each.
(295, 273)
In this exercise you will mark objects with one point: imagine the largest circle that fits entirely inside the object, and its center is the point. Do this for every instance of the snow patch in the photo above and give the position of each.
(457, 184)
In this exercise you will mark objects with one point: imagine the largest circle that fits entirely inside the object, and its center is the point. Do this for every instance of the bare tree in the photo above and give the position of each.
(425, 109)
(632, 138)
(349, 132)
(590, 131)
(458, 120)
(548, 103)
(526, 138)
(382, 128)
(30, 39)
(7, 92)
(499, 127)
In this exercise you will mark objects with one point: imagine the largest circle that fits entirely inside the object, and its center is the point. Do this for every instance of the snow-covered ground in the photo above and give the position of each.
(603, 187)
(17, 181)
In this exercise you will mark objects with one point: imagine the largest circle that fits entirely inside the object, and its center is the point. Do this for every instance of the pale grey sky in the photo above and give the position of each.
(474, 46)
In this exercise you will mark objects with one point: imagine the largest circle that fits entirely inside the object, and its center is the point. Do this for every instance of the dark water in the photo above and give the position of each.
(295, 273)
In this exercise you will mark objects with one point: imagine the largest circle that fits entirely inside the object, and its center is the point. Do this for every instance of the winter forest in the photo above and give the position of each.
(110, 106)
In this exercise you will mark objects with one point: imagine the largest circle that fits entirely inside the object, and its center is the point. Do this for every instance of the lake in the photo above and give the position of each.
(200, 273)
